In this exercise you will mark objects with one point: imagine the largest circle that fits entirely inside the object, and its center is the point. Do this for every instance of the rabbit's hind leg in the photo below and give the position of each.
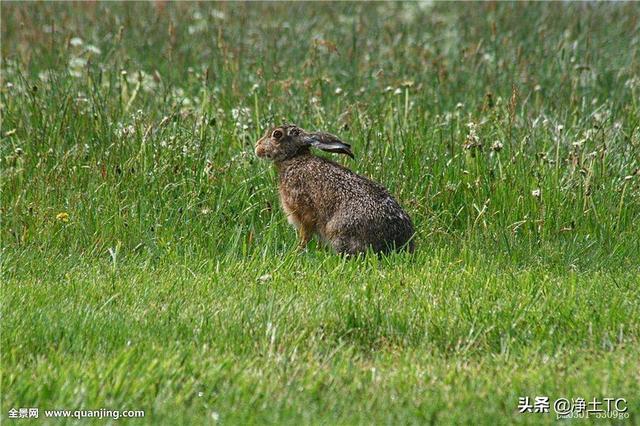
(342, 235)
(348, 245)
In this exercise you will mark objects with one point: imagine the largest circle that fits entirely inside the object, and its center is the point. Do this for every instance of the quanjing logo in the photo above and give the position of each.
(103, 413)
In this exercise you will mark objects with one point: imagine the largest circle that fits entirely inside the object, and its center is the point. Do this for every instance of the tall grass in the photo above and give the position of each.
(139, 230)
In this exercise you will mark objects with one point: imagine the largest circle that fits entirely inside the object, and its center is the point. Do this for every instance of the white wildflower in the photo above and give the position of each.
(147, 82)
(578, 144)
(198, 27)
(242, 117)
(177, 92)
(473, 141)
(44, 76)
(77, 62)
(632, 83)
(93, 49)
(265, 278)
(218, 14)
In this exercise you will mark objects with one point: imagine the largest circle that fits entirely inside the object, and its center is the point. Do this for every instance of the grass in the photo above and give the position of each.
(146, 264)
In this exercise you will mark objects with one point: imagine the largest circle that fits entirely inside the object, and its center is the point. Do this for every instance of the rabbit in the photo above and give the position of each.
(319, 196)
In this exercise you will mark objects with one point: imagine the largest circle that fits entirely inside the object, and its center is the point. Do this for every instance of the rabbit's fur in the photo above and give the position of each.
(347, 210)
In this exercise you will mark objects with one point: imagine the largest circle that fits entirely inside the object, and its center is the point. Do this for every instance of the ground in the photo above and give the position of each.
(146, 264)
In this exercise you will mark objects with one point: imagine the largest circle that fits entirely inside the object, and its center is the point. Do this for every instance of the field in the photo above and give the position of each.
(146, 264)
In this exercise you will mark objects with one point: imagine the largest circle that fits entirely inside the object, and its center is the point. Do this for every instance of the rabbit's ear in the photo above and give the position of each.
(328, 142)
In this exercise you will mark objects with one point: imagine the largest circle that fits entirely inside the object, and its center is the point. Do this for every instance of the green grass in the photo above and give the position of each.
(146, 264)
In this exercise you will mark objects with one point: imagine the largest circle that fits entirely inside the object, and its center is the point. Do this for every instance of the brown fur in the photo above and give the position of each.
(319, 196)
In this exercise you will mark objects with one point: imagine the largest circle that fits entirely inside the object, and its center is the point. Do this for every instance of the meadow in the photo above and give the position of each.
(146, 264)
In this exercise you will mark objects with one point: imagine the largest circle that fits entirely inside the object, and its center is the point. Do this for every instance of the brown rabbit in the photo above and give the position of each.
(347, 210)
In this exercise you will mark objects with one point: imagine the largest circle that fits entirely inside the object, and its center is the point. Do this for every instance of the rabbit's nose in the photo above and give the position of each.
(260, 151)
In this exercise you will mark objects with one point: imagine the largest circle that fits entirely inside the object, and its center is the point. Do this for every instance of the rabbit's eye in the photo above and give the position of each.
(277, 134)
